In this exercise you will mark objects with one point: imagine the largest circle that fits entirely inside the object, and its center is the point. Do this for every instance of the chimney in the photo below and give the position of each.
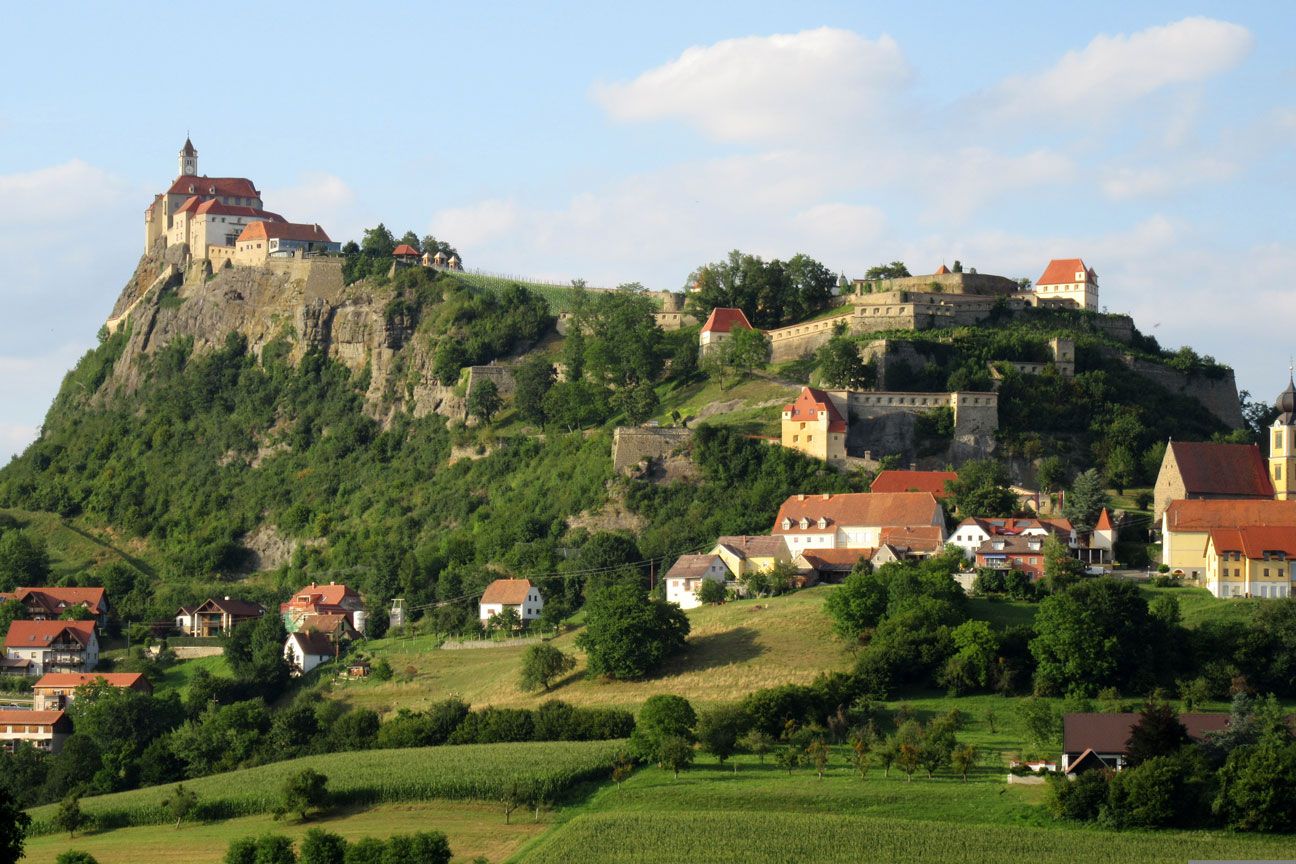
(227, 597)
(801, 497)
(826, 496)
(868, 455)
(913, 466)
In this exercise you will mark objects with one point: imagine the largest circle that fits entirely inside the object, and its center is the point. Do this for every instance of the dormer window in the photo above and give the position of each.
(823, 523)
(787, 523)
(805, 523)
(191, 188)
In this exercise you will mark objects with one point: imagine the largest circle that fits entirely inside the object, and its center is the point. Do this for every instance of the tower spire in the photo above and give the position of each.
(188, 158)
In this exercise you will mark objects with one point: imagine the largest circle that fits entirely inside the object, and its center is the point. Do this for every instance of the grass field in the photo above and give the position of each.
(468, 772)
(733, 649)
(739, 401)
(473, 829)
(74, 549)
(761, 814)
(559, 297)
(178, 676)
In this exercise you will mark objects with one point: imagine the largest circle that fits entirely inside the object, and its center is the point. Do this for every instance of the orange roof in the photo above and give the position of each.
(125, 680)
(753, 545)
(1234, 470)
(404, 250)
(1254, 542)
(1204, 515)
(57, 599)
(331, 594)
(34, 718)
(923, 538)
(229, 187)
(809, 405)
(508, 592)
(724, 319)
(836, 559)
(39, 634)
(693, 566)
(283, 231)
(327, 623)
(941, 270)
(1062, 271)
(913, 481)
(856, 509)
(1104, 521)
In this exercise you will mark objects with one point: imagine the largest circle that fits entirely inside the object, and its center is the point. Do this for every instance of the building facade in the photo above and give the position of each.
(685, 577)
(53, 646)
(853, 520)
(1068, 279)
(520, 595)
(813, 425)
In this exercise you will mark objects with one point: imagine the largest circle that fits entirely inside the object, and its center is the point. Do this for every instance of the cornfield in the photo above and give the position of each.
(542, 770)
(752, 837)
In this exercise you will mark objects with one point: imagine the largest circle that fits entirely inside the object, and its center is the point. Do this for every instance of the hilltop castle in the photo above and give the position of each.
(222, 219)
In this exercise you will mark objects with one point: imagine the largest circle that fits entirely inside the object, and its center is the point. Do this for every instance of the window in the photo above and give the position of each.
(1277, 440)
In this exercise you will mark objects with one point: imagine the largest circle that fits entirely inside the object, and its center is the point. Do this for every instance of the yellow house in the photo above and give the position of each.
(751, 554)
(815, 426)
(1186, 526)
(1250, 562)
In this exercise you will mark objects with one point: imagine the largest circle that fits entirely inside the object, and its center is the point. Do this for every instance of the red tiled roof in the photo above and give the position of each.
(723, 319)
(913, 481)
(836, 559)
(283, 231)
(1254, 542)
(327, 623)
(320, 595)
(1203, 515)
(214, 207)
(404, 250)
(810, 403)
(39, 634)
(916, 538)
(1236, 470)
(229, 187)
(856, 509)
(1061, 271)
(1109, 733)
(125, 680)
(1009, 527)
(692, 566)
(509, 592)
(57, 599)
(33, 718)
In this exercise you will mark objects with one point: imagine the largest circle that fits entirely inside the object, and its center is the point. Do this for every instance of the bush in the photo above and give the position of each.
(75, 856)
(661, 717)
(1081, 799)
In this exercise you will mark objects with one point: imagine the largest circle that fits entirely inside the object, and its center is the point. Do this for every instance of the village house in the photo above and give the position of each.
(1013, 552)
(685, 577)
(51, 646)
(43, 730)
(520, 595)
(745, 554)
(1068, 279)
(278, 239)
(853, 520)
(330, 599)
(892, 480)
(50, 603)
(973, 532)
(909, 543)
(1250, 561)
(1198, 470)
(1186, 526)
(335, 626)
(813, 425)
(832, 565)
(216, 616)
(1092, 740)
(306, 650)
(720, 326)
(55, 690)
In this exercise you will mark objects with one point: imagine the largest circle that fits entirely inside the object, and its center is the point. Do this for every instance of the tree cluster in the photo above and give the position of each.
(770, 293)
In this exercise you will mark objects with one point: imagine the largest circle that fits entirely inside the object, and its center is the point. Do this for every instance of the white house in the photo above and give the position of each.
(1069, 279)
(685, 577)
(971, 533)
(43, 730)
(306, 650)
(52, 646)
(517, 594)
(853, 520)
(720, 326)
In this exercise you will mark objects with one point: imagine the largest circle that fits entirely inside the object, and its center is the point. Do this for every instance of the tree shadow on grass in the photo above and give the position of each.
(715, 650)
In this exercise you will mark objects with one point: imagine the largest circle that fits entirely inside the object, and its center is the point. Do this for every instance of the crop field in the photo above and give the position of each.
(468, 772)
(559, 297)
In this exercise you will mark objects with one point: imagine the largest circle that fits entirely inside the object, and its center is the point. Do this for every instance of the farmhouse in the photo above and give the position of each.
(517, 594)
(853, 520)
(686, 575)
(55, 689)
(330, 599)
(744, 554)
(216, 616)
(49, 603)
(305, 651)
(43, 730)
(1096, 740)
(1250, 561)
(52, 646)
(1186, 526)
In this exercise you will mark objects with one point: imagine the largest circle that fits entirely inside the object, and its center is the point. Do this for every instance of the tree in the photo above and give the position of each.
(425, 847)
(10, 611)
(532, 380)
(75, 856)
(962, 758)
(908, 757)
(378, 242)
(789, 756)
(638, 401)
(576, 404)
(1257, 787)
(859, 603)
(432, 246)
(972, 665)
(322, 847)
(718, 730)
(256, 654)
(13, 828)
(541, 664)
(507, 620)
(1051, 473)
(861, 744)
(983, 489)
(894, 270)
(181, 803)
(1120, 467)
(662, 716)
(303, 792)
(711, 591)
(757, 742)
(676, 753)
(484, 402)
(69, 816)
(887, 751)
(1093, 635)
(1157, 732)
(840, 365)
(1086, 500)
(23, 560)
(366, 850)
(817, 752)
(1061, 568)
(626, 637)
(411, 239)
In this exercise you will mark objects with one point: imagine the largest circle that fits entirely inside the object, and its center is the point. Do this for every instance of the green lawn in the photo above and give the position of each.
(1198, 606)
(178, 676)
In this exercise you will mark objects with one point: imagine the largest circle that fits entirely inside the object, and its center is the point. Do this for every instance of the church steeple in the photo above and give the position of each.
(188, 159)
(1282, 447)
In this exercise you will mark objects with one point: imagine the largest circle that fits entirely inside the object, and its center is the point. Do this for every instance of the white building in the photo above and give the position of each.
(974, 531)
(38, 647)
(853, 520)
(306, 650)
(516, 594)
(720, 325)
(1069, 279)
(685, 577)
(43, 730)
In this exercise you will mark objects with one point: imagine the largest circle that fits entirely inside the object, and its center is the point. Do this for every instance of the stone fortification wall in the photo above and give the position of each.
(1219, 396)
(948, 283)
(505, 383)
(882, 423)
(631, 445)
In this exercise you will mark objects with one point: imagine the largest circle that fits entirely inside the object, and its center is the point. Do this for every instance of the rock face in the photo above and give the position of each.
(301, 302)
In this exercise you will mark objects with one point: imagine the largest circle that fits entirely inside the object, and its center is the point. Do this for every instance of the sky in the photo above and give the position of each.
(581, 140)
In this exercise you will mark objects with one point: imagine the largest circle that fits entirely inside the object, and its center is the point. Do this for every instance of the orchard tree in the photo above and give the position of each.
(676, 753)
(718, 730)
(303, 792)
(543, 663)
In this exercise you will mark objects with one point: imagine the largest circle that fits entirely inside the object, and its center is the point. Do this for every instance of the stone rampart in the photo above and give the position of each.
(982, 284)
(882, 423)
(501, 375)
(631, 445)
(1219, 395)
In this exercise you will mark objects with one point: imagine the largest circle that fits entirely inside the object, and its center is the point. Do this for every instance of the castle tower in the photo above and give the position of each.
(188, 159)
(1282, 447)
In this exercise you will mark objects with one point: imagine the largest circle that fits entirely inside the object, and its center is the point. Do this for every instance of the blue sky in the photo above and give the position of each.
(584, 140)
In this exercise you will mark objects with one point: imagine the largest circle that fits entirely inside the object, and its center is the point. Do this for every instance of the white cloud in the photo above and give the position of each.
(810, 84)
(1117, 70)
(1128, 183)
(477, 224)
(318, 198)
(61, 193)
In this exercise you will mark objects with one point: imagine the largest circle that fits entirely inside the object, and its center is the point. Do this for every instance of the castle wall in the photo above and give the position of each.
(505, 383)
(949, 283)
(631, 445)
(884, 422)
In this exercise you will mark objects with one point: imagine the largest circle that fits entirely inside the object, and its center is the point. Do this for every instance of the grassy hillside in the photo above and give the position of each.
(75, 549)
(559, 297)
(733, 649)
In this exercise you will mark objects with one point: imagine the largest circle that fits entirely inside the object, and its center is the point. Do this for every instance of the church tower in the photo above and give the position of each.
(1282, 447)
(188, 159)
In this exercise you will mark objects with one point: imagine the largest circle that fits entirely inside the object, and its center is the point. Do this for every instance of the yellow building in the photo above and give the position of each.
(1250, 562)
(1186, 526)
(1282, 446)
(748, 554)
(814, 426)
